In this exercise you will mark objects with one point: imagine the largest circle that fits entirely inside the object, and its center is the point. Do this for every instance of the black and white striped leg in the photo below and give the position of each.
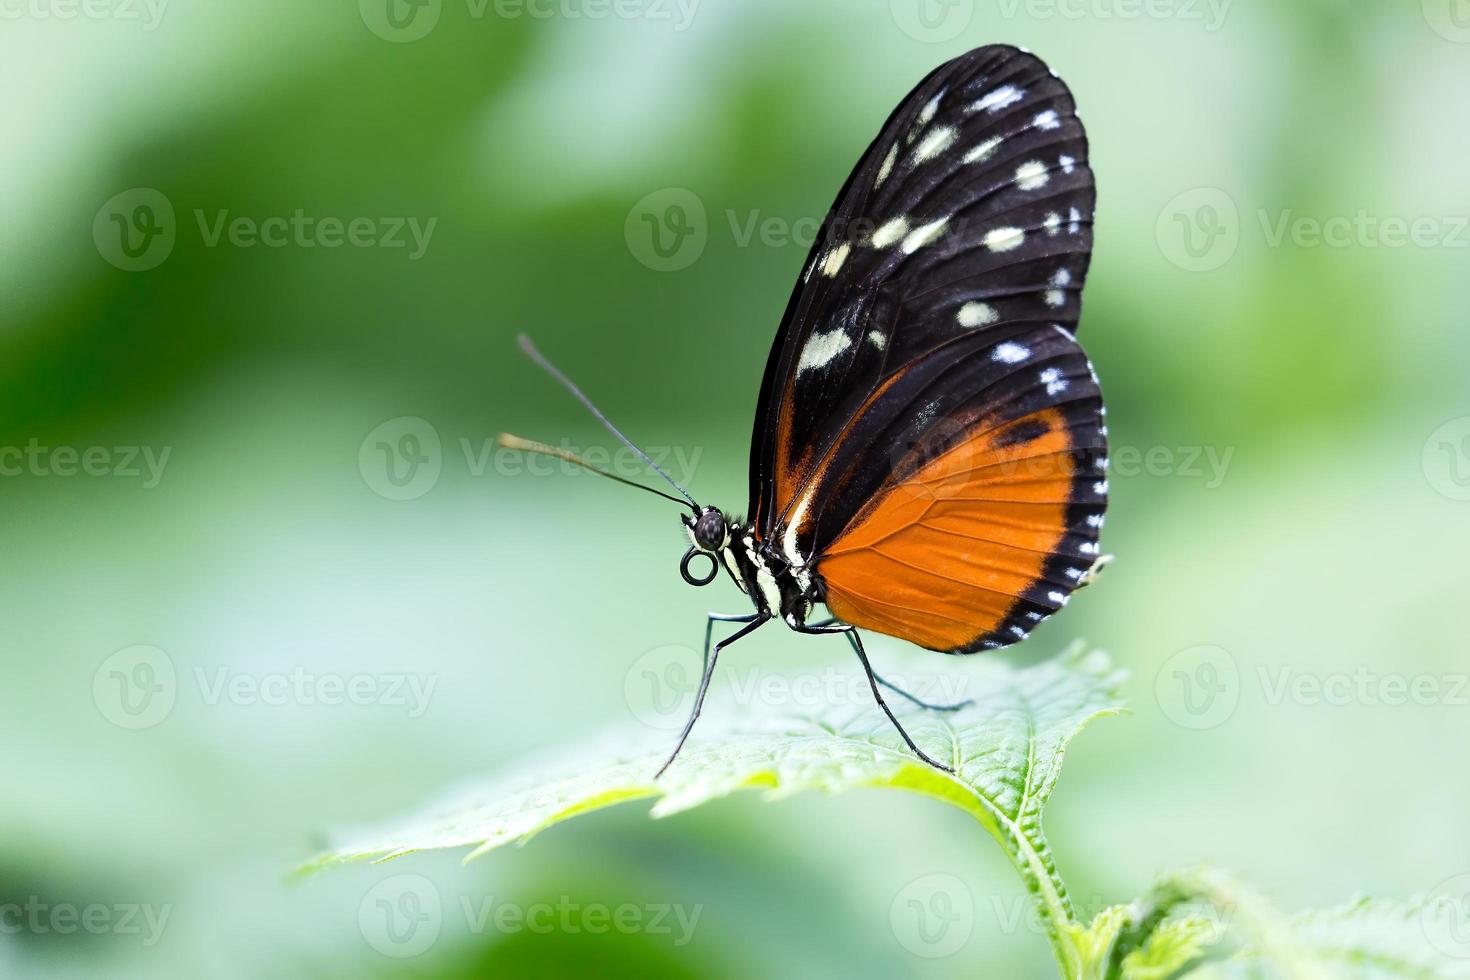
(710, 659)
(930, 705)
(857, 646)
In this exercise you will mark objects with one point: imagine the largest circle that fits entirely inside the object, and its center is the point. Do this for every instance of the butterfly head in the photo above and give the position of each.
(708, 530)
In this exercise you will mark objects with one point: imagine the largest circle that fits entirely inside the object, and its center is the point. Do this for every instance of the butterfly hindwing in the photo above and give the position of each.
(934, 326)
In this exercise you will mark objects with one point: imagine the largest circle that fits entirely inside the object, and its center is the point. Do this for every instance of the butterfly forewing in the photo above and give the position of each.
(930, 435)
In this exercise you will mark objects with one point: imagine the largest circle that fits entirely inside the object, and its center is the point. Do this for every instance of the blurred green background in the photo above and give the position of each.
(213, 665)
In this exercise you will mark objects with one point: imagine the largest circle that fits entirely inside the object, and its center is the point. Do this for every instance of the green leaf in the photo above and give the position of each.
(1091, 946)
(1007, 748)
(1367, 939)
(1170, 948)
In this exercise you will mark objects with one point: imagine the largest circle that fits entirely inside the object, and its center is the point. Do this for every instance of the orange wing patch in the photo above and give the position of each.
(943, 556)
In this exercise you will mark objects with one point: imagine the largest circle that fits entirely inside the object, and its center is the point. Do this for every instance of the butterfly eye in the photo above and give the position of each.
(709, 530)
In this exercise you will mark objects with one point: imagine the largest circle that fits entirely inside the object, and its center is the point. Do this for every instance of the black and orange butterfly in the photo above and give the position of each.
(929, 455)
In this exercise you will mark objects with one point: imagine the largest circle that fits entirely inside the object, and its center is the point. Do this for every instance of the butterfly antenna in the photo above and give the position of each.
(540, 448)
(566, 383)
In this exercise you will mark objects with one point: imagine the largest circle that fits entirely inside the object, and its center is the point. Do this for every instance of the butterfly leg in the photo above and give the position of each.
(852, 638)
(857, 646)
(711, 657)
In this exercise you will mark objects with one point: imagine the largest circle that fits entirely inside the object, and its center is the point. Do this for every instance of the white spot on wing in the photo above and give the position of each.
(1047, 120)
(821, 348)
(930, 108)
(832, 263)
(1010, 353)
(1032, 175)
(1068, 164)
(1057, 597)
(982, 152)
(1006, 95)
(890, 232)
(1004, 239)
(1057, 297)
(887, 167)
(934, 144)
(977, 315)
(923, 235)
(1053, 223)
(876, 338)
(1052, 378)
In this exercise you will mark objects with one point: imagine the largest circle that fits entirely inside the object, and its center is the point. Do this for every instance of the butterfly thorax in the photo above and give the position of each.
(774, 586)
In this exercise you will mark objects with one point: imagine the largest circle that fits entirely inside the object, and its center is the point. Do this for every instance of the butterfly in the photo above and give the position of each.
(930, 446)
